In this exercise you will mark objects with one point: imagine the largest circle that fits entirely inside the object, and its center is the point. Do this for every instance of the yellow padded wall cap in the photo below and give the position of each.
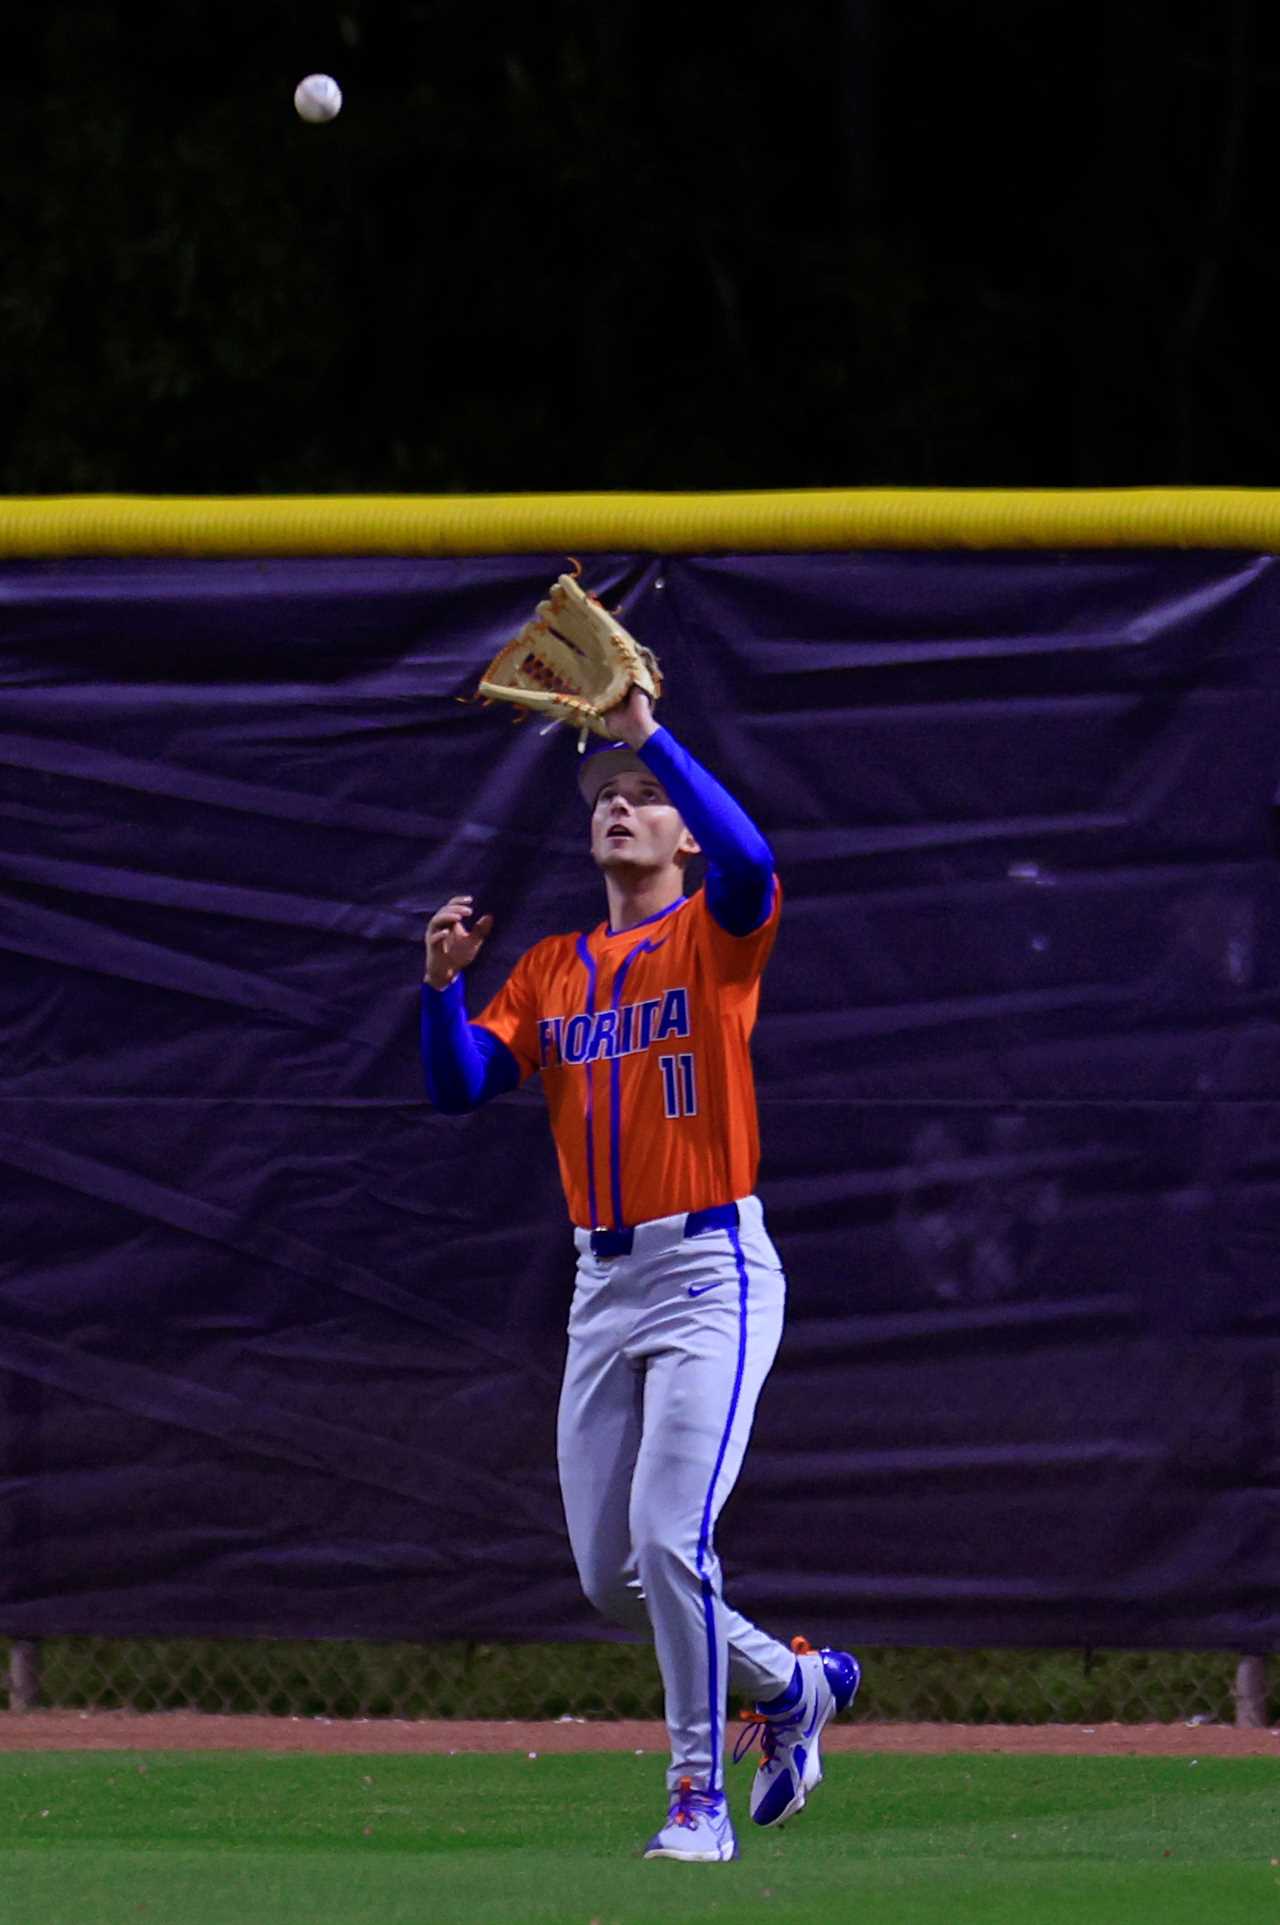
(759, 522)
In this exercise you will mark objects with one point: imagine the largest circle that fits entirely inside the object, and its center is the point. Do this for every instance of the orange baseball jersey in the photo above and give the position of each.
(643, 1042)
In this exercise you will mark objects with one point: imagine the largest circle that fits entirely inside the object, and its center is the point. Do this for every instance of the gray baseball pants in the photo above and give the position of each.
(669, 1345)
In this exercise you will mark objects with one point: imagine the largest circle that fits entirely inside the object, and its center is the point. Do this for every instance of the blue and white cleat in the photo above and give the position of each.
(698, 1828)
(790, 1742)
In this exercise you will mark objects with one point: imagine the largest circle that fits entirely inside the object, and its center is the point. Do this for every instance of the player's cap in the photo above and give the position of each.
(601, 762)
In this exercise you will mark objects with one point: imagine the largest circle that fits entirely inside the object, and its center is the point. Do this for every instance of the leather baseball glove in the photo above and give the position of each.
(571, 662)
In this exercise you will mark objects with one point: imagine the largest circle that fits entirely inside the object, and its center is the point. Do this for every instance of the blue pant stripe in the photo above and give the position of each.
(704, 1535)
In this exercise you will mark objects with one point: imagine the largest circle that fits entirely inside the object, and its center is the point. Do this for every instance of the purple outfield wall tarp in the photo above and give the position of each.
(279, 1345)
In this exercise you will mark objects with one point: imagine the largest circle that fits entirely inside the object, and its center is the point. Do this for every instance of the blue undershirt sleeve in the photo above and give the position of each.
(463, 1064)
(739, 861)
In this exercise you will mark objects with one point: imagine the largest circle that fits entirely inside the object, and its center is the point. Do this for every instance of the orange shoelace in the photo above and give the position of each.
(688, 1802)
(758, 1722)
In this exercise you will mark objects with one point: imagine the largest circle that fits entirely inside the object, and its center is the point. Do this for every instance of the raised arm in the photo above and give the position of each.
(463, 1064)
(739, 861)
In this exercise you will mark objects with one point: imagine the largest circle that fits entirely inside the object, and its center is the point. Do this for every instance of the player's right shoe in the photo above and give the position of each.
(698, 1828)
(790, 1741)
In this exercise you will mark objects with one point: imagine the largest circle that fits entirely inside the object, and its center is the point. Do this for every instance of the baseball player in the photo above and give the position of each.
(640, 1032)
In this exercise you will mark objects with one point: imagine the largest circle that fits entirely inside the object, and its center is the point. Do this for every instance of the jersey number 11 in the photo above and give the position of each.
(679, 1092)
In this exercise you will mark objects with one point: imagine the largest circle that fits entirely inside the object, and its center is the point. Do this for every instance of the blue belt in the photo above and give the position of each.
(619, 1243)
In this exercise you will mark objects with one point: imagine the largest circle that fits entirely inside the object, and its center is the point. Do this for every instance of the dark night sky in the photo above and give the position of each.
(1023, 243)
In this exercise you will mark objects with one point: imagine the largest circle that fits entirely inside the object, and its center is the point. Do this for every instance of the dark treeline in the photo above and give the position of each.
(634, 245)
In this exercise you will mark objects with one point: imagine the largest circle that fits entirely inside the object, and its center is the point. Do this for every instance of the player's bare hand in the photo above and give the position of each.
(451, 946)
(632, 720)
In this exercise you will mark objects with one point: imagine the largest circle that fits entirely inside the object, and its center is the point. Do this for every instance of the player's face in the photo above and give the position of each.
(633, 825)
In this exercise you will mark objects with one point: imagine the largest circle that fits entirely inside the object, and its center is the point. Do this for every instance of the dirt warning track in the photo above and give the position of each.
(201, 1731)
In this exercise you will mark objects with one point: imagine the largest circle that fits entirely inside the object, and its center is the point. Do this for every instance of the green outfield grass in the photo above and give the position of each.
(171, 1838)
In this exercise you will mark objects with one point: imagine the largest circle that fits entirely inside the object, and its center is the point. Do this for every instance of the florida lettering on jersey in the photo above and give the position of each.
(642, 1040)
(586, 1038)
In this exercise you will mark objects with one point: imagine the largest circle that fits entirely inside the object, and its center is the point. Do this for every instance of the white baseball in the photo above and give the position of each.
(318, 97)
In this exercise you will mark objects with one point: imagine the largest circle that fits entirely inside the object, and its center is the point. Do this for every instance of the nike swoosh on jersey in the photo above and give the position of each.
(701, 1289)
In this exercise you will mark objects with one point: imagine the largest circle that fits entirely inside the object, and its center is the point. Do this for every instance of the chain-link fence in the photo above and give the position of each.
(339, 1679)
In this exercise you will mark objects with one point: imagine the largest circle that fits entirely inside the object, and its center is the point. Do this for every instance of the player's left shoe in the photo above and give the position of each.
(790, 1742)
(698, 1828)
